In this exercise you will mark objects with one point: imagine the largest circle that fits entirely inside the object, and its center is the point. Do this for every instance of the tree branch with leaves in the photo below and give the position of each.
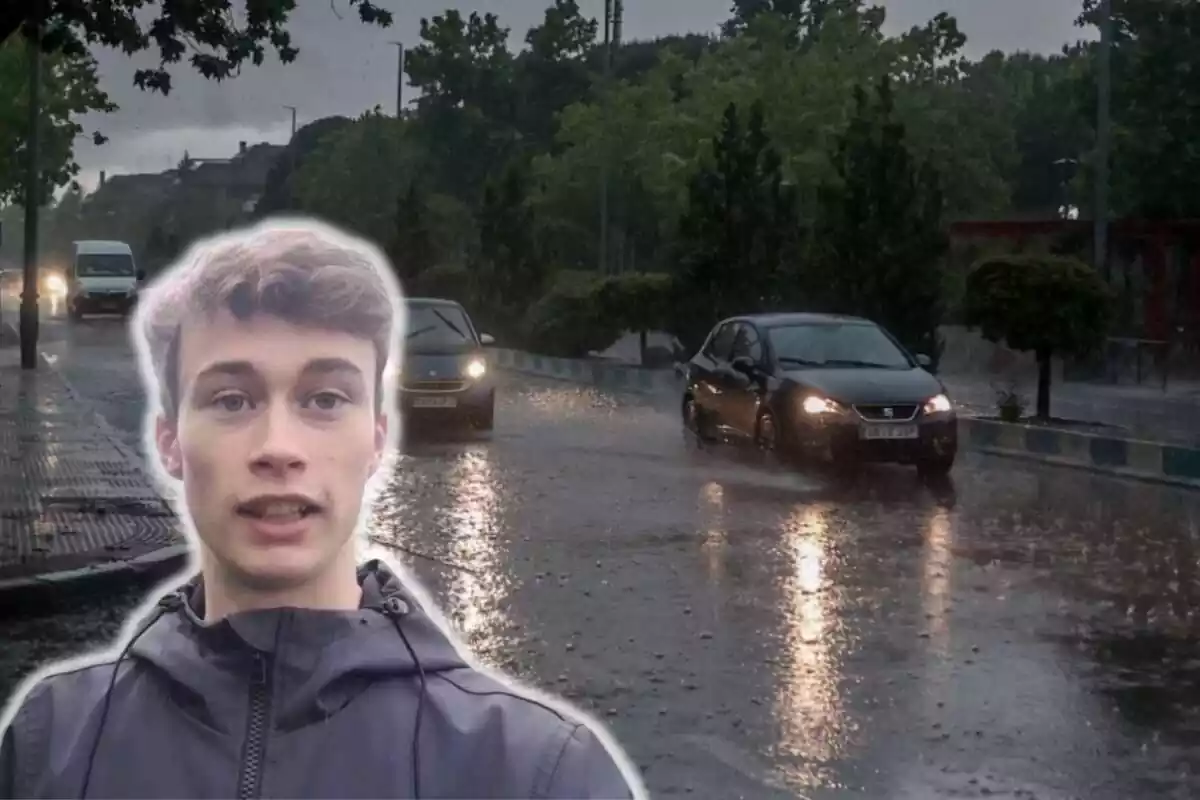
(219, 41)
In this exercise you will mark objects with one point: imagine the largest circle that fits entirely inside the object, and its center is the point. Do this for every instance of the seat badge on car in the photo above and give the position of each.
(889, 413)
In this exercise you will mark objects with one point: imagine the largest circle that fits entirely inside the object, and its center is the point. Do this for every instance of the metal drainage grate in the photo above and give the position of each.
(117, 506)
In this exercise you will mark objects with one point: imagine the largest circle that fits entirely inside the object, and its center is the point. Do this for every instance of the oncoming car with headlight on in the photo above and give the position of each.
(446, 376)
(834, 388)
(54, 285)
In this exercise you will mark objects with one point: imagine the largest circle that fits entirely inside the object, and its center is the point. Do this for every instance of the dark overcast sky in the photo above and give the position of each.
(345, 67)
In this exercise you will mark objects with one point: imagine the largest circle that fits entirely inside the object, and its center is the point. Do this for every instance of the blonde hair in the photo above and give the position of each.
(298, 270)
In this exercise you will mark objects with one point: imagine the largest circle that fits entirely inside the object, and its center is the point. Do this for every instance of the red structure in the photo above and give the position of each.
(1154, 265)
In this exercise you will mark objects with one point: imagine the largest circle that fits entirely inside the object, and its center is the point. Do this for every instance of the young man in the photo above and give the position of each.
(282, 669)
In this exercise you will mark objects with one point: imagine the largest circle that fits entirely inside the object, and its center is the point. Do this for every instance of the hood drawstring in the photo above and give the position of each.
(396, 608)
(172, 602)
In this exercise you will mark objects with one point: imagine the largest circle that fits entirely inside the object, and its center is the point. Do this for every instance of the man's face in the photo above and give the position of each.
(275, 440)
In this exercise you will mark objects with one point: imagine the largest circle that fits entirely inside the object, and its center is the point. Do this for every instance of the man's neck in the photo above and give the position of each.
(336, 589)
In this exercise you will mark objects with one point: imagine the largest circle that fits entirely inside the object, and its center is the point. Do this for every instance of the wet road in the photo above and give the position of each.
(751, 632)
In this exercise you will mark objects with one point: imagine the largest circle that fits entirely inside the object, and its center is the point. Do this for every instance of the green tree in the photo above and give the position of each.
(1051, 133)
(219, 42)
(277, 193)
(878, 241)
(634, 59)
(411, 247)
(737, 232)
(799, 15)
(553, 72)
(69, 89)
(351, 177)
(467, 107)
(1047, 305)
(510, 272)
(653, 133)
(1155, 105)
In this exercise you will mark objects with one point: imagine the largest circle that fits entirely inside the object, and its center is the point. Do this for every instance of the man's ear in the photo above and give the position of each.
(382, 423)
(166, 440)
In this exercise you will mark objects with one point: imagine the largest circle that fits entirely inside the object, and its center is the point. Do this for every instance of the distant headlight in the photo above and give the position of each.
(55, 285)
(821, 405)
(938, 404)
(476, 369)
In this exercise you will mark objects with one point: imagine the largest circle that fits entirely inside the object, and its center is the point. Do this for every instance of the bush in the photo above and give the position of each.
(585, 311)
(568, 320)
(637, 301)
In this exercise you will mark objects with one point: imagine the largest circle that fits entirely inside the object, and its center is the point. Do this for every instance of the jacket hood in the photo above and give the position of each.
(319, 660)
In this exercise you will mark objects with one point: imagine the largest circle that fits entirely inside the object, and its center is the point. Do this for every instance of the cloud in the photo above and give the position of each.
(345, 68)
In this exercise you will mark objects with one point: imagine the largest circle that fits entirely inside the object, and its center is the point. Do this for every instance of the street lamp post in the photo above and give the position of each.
(602, 254)
(29, 293)
(1103, 139)
(400, 80)
(293, 110)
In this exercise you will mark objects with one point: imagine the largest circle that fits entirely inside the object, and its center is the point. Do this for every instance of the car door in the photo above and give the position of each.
(742, 395)
(707, 372)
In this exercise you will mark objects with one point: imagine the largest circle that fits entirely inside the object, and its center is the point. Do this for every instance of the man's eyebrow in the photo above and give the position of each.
(227, 368)
(325, 366)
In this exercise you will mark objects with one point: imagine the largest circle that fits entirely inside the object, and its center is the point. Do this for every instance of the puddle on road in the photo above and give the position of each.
(1152, 678)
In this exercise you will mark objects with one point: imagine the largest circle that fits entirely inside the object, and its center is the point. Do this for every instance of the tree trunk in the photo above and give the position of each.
(1043, 384)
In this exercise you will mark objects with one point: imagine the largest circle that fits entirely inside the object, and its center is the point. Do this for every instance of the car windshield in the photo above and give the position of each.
(847, 345)
(438, 326)
(104, 265)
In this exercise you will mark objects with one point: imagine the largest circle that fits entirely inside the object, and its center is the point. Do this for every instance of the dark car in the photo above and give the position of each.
(840, 389)
(446, 376)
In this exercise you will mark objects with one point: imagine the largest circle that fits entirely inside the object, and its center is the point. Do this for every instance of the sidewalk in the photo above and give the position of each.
(74, 503)
(1140, 411)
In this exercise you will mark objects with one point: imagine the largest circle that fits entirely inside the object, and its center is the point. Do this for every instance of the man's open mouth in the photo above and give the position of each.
(277, 510)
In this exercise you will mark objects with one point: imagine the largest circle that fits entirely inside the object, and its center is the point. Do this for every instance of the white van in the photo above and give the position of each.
(103, 279)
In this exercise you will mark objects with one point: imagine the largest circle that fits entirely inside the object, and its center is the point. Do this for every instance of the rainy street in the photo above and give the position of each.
(751, 631)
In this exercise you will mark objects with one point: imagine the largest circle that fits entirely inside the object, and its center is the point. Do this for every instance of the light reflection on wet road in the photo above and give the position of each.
(751, 632)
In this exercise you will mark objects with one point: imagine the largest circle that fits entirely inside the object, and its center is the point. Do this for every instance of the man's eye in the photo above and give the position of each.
(326, 401)
(231, 402)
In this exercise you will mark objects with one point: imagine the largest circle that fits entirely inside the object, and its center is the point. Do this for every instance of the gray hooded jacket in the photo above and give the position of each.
(297, 703)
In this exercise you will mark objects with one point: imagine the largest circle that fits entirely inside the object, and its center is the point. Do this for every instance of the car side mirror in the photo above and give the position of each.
(486, 339)
(925, 361)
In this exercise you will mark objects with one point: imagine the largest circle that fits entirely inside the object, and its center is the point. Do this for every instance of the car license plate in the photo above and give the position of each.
(888, 431)
(435, 402)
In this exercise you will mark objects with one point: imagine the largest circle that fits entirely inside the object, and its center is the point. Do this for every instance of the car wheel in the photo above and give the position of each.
(486, 420)
(935, 465)
(693, 420)
(766, 435)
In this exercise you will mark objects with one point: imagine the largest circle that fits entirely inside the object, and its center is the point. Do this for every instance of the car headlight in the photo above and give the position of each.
(821, 405)
(55, 285)
(476, 368)
(938, 404)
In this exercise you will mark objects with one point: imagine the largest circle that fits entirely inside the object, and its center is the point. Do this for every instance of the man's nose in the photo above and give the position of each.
(278, 449)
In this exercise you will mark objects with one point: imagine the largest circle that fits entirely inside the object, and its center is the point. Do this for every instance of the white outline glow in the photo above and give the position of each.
(169, 487)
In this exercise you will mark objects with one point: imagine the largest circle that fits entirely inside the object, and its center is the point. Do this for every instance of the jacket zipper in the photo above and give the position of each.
(257, 720)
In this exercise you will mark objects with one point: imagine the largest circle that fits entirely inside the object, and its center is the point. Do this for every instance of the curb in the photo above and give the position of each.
(29, 594)
(1129, 458)
(36, 594)
(1138, 459)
